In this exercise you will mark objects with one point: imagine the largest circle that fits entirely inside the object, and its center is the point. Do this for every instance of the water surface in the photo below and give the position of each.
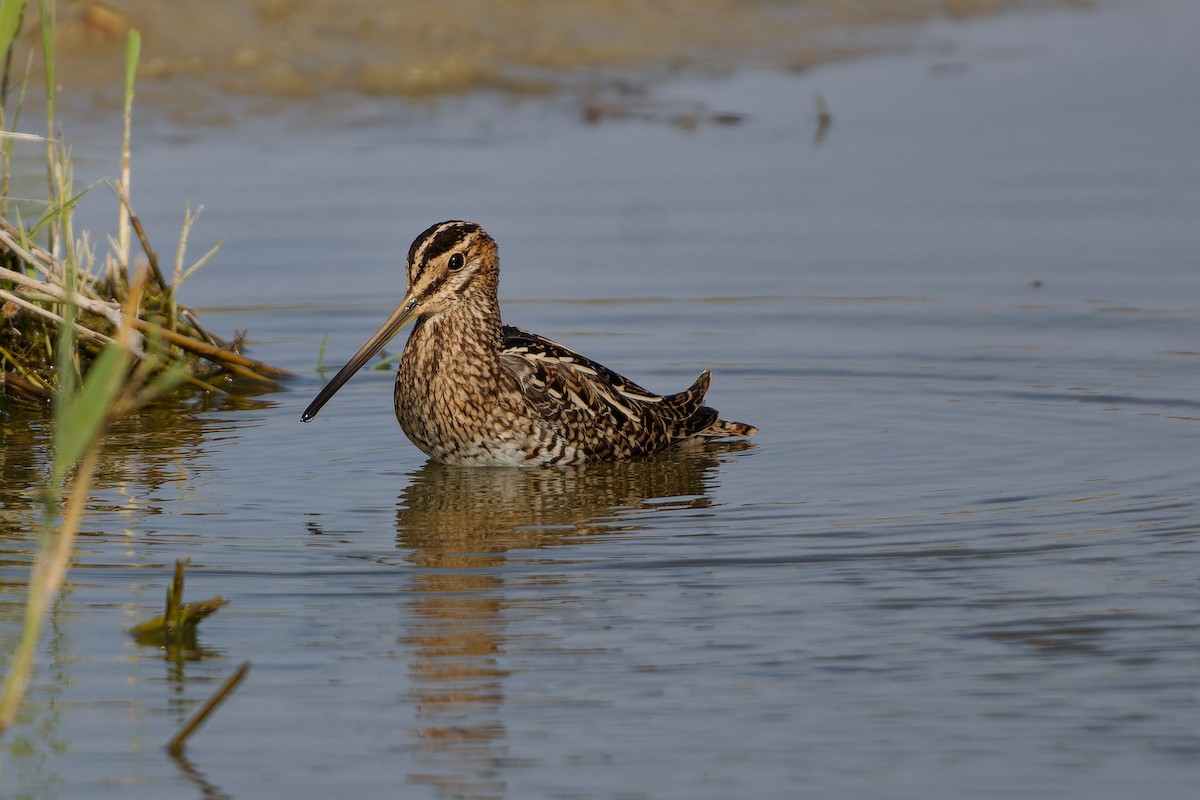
(959, 559)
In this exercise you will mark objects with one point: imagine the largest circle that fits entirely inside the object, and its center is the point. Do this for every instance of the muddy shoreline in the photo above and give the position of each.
(272, 49)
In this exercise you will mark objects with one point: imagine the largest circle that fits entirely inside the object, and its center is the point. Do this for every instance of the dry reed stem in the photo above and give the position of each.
(34, 308)
(151, 256)
(234, 362)
(24, 386)
(35, 257)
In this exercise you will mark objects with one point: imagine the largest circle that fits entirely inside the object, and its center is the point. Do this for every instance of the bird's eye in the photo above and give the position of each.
(457, 262)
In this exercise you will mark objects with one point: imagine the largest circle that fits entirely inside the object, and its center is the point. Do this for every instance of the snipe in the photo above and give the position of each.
(474, 391)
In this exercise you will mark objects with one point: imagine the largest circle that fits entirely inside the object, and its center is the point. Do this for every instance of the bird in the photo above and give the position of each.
(473, 391)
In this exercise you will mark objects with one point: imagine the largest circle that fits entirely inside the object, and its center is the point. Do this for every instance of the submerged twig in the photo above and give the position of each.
(196, 720)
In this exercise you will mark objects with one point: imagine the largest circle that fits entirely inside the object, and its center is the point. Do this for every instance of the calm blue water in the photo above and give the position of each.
(960, 559)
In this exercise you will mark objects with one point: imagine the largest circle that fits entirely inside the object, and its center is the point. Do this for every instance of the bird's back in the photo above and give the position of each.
(600, 412)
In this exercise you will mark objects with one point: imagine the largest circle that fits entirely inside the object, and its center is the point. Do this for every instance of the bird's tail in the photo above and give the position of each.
(724, 427)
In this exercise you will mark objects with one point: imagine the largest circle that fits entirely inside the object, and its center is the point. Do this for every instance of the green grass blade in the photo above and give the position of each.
(133, 49)
(11, 12)
(54, 213)
(65, 364)
(49, 26)
(85, 413)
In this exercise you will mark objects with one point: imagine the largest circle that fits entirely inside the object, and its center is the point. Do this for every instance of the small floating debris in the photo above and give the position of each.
(686, 118)
(824, 118)
(175, 628)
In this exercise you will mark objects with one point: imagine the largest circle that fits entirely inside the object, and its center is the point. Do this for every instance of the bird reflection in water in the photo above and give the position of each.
(460, 526)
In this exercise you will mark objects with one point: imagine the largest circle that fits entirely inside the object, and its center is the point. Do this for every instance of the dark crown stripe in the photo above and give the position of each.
(437, 240)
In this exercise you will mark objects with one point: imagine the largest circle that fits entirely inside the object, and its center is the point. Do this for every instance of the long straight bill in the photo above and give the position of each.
(403, 315)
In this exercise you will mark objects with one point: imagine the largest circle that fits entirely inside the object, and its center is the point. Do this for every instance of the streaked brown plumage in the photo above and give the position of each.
(474, 391)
